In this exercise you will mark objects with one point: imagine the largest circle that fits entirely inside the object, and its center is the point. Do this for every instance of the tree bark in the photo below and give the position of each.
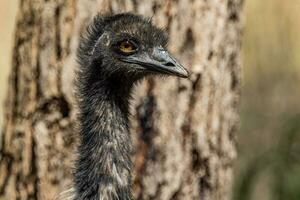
(183, 130)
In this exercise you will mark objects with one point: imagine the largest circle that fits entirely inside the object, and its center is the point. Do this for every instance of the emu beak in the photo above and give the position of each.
(159, 60)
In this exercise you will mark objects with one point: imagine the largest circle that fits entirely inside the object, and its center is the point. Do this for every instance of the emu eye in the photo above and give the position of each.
(127, 47)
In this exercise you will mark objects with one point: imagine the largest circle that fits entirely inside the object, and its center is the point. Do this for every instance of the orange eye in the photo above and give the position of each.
(127, 47)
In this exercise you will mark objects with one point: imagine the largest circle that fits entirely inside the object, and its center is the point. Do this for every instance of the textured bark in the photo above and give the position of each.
(183, 130)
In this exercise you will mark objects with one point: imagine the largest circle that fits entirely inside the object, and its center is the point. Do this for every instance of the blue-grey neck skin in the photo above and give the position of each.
(104, 165)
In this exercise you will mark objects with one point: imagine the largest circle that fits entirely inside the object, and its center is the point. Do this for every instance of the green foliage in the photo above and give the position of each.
(281, 163)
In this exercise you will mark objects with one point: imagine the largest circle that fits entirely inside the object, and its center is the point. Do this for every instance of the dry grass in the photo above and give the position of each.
(271, 68)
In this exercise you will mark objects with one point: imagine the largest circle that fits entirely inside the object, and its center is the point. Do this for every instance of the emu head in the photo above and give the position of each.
(127, 45)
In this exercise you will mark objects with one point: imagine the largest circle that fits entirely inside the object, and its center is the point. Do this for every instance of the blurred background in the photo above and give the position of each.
(8, 12)
(269, 139)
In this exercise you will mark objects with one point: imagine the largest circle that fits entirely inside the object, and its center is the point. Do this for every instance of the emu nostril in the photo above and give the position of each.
(169, 64)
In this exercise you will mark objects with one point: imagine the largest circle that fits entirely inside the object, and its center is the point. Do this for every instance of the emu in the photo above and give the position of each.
(116, 52)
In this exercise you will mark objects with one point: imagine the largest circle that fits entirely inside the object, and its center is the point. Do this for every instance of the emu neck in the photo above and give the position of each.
(104, 165)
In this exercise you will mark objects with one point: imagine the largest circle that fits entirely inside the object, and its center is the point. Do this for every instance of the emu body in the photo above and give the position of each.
(115, 53)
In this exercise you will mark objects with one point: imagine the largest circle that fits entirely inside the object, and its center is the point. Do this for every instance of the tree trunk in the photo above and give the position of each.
(183, 130)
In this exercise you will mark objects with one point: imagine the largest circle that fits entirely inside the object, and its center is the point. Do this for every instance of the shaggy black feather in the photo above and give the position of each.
(104, 85)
